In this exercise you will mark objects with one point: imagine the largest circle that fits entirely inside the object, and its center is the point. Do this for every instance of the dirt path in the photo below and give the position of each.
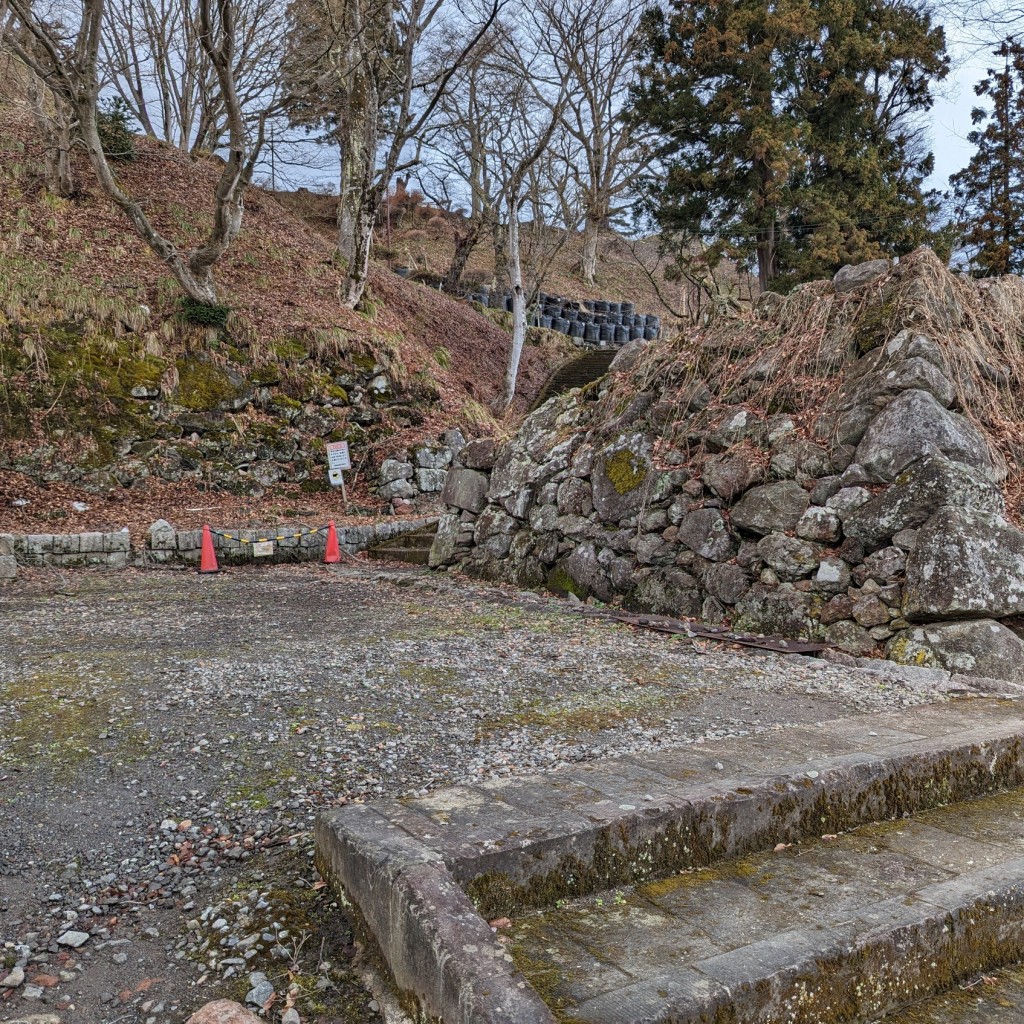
(166, 740)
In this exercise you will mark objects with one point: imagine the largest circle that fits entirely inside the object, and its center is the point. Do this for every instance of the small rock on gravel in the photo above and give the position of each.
(73, 939)
(223, 1011)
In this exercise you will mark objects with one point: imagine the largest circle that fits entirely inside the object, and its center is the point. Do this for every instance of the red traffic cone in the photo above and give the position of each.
(207, 559)
(333, 552)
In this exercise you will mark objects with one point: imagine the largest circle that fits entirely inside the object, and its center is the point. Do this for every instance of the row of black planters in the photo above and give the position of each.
(593, 320)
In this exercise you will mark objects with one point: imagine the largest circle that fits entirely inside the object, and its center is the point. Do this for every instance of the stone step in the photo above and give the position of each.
(407, 540)
(843, 930)
(426, 875)
(576, 373)
(414, 556)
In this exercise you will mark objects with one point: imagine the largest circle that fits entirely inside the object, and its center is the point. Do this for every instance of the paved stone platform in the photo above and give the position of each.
(424, 875)
(841, 929)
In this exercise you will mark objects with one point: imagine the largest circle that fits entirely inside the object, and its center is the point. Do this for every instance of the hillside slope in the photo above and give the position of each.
(107, 389)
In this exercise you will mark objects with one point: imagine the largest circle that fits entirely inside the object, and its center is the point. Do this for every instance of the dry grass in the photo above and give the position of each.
(792, 355)
(78, 261)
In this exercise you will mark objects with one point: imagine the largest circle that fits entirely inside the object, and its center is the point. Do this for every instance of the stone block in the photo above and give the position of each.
(465, 489)
(38, 546)
(8, 567)
(66, 544)
(189, 540)
(431, 481)
(161, 536)
(965, 564)
(90, 543)
(119, 542)
(6, 543)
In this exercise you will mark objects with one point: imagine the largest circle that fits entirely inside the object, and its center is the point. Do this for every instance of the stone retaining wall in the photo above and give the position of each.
(883, 535)
(166, 545)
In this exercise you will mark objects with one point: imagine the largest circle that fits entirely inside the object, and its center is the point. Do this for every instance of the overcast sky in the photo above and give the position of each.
(951, 115)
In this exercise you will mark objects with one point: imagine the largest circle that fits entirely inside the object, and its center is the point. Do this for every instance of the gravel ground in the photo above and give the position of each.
(167, 738)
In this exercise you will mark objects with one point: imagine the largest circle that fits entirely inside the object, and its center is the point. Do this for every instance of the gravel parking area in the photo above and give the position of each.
(167, 738)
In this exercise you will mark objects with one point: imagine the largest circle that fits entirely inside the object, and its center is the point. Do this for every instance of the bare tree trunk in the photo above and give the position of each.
(360, 127)
(518, 309)
(54, 127)
(500, 235)
(465, 243)
(588, 259)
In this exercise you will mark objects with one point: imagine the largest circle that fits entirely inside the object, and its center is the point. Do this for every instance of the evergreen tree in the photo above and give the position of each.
(787, 129)
(989, 191)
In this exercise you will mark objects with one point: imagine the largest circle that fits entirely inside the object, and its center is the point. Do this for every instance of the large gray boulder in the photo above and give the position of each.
(978, 647)
(790, 557)
(730, 474)
(581, 573)
(917, 493)
(857, 275)
(442, 551)
(621, 478)
(511, 482)
(466, 489)
(914, 424)
(666, 592)
(965, 564)
(705, 532)
(771, 508)
(781, 610)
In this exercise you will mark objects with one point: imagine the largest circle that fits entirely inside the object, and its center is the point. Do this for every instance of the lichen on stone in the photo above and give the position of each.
(625, 470)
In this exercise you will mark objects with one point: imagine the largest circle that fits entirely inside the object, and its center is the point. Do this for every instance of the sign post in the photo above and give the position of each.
(338, 460)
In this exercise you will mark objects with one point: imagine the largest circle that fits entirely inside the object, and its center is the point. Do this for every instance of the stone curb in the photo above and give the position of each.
(439, 950)
(527, 842)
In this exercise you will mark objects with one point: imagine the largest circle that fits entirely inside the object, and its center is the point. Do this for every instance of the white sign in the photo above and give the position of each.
(262, 548)
(337, 456)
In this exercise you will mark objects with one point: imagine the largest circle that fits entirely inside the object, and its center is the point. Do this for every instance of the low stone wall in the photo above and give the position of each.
(70, 549)
(416, 477)
(164, 545)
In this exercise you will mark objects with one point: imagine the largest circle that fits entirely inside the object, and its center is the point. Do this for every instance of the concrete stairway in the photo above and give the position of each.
(576, 373)
(812, 876)
(413, 548)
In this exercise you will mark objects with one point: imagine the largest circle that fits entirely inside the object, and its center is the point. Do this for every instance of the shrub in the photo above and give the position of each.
(114, 125)
(203, 315)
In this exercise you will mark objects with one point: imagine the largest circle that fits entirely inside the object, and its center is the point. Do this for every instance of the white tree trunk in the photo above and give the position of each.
(588, 261)
(515, 271)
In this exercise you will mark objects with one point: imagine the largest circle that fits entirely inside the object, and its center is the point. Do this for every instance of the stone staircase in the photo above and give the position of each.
(816, 875)
(413, 548)
(576, 373)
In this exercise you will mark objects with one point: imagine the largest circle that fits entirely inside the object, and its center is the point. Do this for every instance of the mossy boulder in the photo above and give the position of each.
(621, 477)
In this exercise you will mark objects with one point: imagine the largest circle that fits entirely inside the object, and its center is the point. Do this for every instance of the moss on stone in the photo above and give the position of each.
(560, 582)
(625, 470)
(202, 386)
(289, 350)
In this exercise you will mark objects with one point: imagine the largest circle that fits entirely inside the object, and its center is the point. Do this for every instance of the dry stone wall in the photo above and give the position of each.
(890, 539)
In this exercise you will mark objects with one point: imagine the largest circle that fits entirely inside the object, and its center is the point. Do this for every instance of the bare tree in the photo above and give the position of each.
(591, 42)
(378, 95)
(462, 143)
(152, 55)
(67, 59)
(48, 111)
(532, 116)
